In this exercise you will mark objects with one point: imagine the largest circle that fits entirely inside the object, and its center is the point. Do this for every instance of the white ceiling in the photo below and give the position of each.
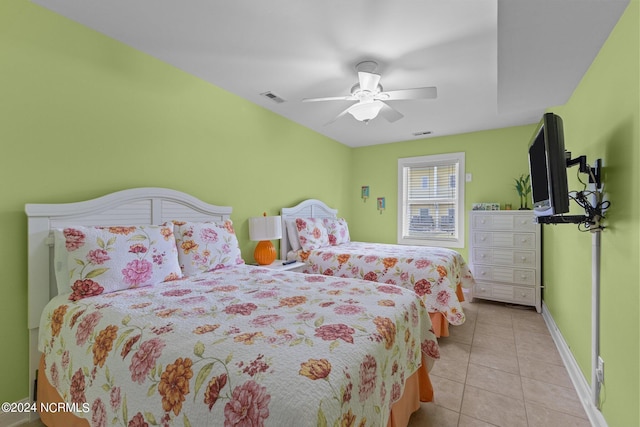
(496, 63)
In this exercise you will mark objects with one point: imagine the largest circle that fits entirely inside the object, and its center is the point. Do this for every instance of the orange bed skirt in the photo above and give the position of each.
(439, 322)
(417, 388)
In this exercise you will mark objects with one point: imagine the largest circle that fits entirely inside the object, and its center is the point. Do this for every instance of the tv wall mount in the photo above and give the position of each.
(593, 211)
(593, 172)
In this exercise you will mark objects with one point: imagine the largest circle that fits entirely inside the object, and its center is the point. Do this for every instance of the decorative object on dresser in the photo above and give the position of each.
(523, 187)
(264, 229)
(504, 249)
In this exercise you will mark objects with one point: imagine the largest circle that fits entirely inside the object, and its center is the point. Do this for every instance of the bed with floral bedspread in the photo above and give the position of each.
(435, 274)
(245, 345)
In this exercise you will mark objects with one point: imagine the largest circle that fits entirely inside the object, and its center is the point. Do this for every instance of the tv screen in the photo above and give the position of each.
(548, 168)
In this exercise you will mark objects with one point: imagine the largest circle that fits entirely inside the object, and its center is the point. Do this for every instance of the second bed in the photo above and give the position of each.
(313, 234)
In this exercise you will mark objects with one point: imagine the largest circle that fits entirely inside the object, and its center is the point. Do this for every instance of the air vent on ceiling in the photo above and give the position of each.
(422, 133)
(272, 96)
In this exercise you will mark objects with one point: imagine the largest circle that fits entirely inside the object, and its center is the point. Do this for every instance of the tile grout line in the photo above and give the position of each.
(466, 375)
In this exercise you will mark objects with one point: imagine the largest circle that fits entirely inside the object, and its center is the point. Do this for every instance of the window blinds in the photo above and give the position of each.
(430, 201)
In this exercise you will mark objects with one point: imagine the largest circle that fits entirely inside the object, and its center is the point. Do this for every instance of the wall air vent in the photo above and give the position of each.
(272, 96)
(422, 133)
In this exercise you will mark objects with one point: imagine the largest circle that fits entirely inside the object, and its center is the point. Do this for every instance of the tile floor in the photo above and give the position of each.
(500, 368)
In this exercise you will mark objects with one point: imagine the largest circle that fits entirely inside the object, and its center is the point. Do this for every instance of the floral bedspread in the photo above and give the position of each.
(433, 273)
(238, 346)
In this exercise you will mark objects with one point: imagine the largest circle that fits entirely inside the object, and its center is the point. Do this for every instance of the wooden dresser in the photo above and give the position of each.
(504, 249)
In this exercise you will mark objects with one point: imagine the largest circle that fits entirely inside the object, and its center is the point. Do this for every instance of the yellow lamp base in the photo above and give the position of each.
(265, 252)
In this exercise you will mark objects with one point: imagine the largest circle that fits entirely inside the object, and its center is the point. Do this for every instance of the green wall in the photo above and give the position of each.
(493, 158)
(602, 120)
(82, 115)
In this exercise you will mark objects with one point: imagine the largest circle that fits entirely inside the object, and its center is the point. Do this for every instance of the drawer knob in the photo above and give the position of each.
(523, 277)
(524, 258)
(522, 294)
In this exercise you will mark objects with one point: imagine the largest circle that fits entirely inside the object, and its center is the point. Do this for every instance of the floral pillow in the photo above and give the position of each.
(101, 260)
(312, 233)
(206, 246)
(338, 231)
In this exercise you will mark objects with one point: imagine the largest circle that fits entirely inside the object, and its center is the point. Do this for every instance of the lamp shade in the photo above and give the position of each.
(365, 111)
(265, 228)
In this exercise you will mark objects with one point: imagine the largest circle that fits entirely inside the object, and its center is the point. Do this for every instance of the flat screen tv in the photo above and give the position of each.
(548, 168)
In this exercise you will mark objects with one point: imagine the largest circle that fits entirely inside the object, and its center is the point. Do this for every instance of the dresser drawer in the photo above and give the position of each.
(524, 223)
(504, 274)
(507, 293)
(525, 296)
(503, 221)
(514, 258)
(514, 275)
(482, 272)
(493, 291)
(506, 240)
(482, 290)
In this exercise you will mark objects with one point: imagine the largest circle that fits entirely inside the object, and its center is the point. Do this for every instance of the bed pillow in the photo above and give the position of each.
(338, 231)
(60, 266)
(101, 260)
(206, 246)
(312, 233)
(292, 233)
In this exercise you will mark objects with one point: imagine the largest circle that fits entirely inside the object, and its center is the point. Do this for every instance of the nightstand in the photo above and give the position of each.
(277, 265)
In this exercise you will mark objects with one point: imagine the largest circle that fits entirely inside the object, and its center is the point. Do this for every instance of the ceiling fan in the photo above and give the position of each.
(370, 96)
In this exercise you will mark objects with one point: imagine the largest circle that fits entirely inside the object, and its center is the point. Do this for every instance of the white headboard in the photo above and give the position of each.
(310, 208)
(138, 206)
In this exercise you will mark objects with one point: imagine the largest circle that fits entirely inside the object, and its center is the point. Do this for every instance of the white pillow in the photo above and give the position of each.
(292, 233)
(60, 263)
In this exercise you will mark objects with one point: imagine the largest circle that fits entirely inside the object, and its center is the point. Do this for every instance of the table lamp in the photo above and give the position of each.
(263, 229)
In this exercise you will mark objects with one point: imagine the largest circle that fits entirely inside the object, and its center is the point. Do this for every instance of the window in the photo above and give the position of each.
(431, 200)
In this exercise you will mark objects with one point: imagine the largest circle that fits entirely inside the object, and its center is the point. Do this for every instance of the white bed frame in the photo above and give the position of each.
(139, 206)
(310, 208)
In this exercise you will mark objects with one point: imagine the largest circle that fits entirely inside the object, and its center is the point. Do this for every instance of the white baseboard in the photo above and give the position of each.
(13, 419)
(577, 378)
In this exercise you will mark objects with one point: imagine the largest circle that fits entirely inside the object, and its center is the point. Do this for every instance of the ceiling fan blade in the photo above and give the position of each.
(337, 117)
(331, 98)
(390, 113)
(417, 93)
(368, 81)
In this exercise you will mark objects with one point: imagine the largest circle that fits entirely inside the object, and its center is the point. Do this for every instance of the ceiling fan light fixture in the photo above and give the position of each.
(365, 111)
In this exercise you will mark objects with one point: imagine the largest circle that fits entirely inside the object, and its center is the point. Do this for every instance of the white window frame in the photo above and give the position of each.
(455, 241)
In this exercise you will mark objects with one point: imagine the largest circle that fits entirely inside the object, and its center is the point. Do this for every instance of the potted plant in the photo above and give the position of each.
(523, 187)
